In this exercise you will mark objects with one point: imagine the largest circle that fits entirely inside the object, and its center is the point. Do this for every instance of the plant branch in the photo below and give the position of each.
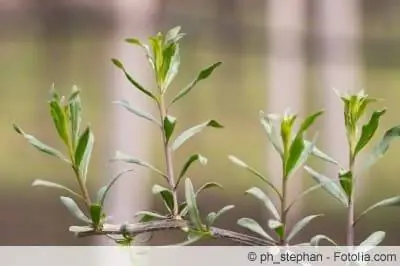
(350, 210)
(169, 224)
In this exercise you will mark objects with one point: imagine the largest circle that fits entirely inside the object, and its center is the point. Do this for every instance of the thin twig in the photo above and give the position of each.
(168, 224)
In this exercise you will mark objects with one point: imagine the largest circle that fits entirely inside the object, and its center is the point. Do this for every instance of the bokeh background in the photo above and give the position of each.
(275, 54)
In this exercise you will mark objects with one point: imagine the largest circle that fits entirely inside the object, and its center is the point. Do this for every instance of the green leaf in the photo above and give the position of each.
(187, 134)
(96, 213)
(277, 226)
(173, 35)
(189, 162)
(201, 76)
(319, 154)
(44, 183)
(299, 154)
(316, 239)
(74, 209)
(273, 135)
(128, 159)
(75, 109)
(253, 226)
(372, 241)
(119, 65)
(368, 130)
(183, 209)
(212, 216)
(309, 121)
(102, 193)
(382, 147)
(147, 216)
(300, 225)
(303, 194)
(84, 151)
(173, 53)
(209, 185)
(346, 181)
(390, 202)
(192, 205)
(139, 113)
(169, 126)
(40, 145)
(144, 47)
(329, 186)
(60, 119)
(166, 195)
(156, 43)
(242, 164)
(259, 194)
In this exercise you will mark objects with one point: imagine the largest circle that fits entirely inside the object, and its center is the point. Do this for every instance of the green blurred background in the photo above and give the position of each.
(67, 43)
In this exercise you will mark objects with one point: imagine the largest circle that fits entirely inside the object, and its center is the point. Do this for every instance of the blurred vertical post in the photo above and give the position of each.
(130, 134)
(286, 70)
(338, 32)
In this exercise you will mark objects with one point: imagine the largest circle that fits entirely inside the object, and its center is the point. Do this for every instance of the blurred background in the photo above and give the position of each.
(275, 54)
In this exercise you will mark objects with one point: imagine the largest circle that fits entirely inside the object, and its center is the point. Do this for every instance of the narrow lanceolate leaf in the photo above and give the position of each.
(128, 159)
(44, 183)
(390, 202)
(329, 186)
(368, 130)
(169, 126)
(144, 47)
(147, 216)
(60, 119)
(277, 226)
(74, 209)
(372, 241)
(103, 191)
(346, 181)
(187, 134)
(253, 226)
(316, 239)
(382, 147)
(173, 35)
(300, 225)
(190, 197)
(137, 112)
(137, 85)
(259, 194)
(296, 160)
(321, 155)
(242, 164)
(209, 185)
(166, 195)
(302, 195)
(84, 151)
(272, 132)
(96, 213)
(309, 121)
(201, 76)
(75, 110)
(40, 145)
(189, 162)
(173, 67)
(212, 216)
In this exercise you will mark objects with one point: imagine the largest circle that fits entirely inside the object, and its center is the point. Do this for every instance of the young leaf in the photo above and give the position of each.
(169, 126)
(189, 162)
(201, 76)
(309, 121)
(44, 183)
(390, 202)
(207, 186)
(128, 159)
(329, 186)
(173, 64)
(368, 130)
(372, 241)
(259, 194)
(145, 48)
(277, 226)
(297, 160)
(74, 209)
(96, 213)
(173, 35)
(212, 216)
(383, 145)
(316, 239)
(242, 164)
(253, 226)
(300, 225)
(60, 120)
(146, 216)
(346, 181)
(272, 133)
(139, 113)
(84, 151)
(40, 145)
(184, 136)
(119, 65)
(192, 205)
(166, 195)
(75, 109)
(102, 193)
